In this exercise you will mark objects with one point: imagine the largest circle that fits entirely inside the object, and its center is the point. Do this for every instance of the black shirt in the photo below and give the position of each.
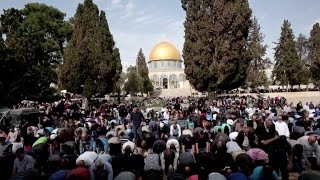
(188, 144)
(136, 118)
(202, 142)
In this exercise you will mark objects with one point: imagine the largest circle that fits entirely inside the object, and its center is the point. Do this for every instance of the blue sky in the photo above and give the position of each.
(143, 23)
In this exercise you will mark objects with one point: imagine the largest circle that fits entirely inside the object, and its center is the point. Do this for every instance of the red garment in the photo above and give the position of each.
(193, 177)
(79, 173)
(4, 135)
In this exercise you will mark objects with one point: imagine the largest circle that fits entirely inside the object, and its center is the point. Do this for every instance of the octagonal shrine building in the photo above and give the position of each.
(166, 70)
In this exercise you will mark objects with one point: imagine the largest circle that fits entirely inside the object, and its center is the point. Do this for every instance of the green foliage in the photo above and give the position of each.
(288, 68)
(314, 53)
(119, 83)
(214, 52)
(143, 71)
(302, 46)
(91, 54)
(256, 74)
(148, 86)
(134, 83)
(34, 45)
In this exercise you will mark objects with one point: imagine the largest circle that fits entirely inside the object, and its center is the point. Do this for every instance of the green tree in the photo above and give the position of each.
(134, 83)
(118, 86)
(314, 53)
(108, 57)
(80, 64)
(214, 52)
(3, 56)
(287, 67)
(302, 46)
(91, 54)
(143, 71)
(256, 73)
(35, 37)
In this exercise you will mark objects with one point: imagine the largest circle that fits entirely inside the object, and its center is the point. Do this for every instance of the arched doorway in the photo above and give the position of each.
(165, 83)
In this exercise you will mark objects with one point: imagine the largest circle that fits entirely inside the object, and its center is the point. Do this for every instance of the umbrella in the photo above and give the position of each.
(257, 154)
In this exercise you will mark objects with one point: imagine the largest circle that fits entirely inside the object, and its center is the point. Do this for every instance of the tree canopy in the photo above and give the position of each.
(215, 48)
(314, 53)
(288, 68)
(31, 52)
(143, 71)
(256, 74)
(134, 82)
(92, 62)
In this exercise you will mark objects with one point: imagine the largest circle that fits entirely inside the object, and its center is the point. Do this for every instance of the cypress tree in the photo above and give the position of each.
(143, 71)
(108, 57)
(314, 53)
(214, 52)
(288, 67)
(92, 62)
(256, 75)
(80, 65)
(302, 46)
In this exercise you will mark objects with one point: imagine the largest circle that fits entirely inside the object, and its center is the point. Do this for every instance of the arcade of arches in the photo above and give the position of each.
(172, 82)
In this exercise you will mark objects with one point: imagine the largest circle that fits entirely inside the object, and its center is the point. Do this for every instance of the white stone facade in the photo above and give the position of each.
(168, 74)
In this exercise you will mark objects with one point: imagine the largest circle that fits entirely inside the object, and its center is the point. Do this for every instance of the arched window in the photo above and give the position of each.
(156, 80)
(173, 81)
(182, 77)
(164, 81)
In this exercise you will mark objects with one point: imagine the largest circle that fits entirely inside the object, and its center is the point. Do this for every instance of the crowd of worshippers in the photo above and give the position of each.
(230, 138)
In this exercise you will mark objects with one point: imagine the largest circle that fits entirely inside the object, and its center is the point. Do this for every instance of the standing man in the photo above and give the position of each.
(136, 117)
(282, 127)
(123, 114)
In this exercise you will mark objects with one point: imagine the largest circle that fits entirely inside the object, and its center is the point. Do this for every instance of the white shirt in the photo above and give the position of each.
(245, 141)
(232, 146)
(12, 136)
(175, 131)
(287, 108)
(282, 128)
(166, 115)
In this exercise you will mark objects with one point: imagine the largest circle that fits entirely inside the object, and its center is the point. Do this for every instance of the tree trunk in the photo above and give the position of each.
(119, 98)
(212, 95)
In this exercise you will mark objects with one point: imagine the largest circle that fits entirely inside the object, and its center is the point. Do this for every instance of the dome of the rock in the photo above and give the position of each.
(164, 51)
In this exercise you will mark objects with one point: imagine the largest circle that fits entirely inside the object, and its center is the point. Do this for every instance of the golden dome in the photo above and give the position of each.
(164, 51)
